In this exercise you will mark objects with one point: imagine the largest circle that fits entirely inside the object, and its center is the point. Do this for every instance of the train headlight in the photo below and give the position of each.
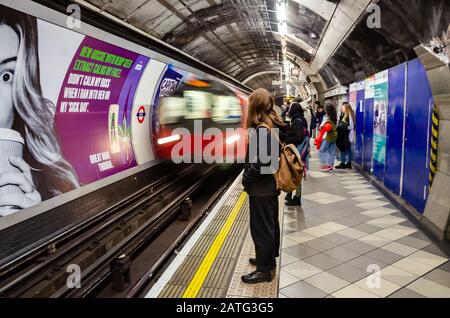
(169, 139)
(232, 139)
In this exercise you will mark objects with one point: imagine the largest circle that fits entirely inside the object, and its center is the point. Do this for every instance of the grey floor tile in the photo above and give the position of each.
(421, 236)
(384, 256)
(327, 282)
(286, 232)
(300, 251)
(360, 247)
(299, 225)
(435, 250)
(348, 272)
(369, 229)
(408, 224)
(363, 262)
(323, 261)
(439, 276)
(445, 266)
(342, 253)
(399, 214)
(337, 238)
(414, 242)
(406, 293)
(349, 221)
(320, 244)
(315, 220)
(302, 290)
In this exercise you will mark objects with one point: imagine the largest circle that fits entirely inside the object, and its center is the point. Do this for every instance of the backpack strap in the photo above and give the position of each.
(270, 131)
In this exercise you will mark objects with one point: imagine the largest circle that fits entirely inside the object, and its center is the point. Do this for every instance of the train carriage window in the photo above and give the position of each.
(172, 110)
(226, 109)
(198, 104)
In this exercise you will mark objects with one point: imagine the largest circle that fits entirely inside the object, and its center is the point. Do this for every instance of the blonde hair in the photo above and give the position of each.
(261, 110)
(348, 110)
(36, 112)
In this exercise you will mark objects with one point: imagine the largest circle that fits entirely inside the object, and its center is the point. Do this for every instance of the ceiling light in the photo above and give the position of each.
(283, 28)
(281, 11)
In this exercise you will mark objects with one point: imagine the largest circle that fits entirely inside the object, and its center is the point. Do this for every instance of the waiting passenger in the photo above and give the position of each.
(348, 123)
(262, 189)
(320, 114)
(326, 140)
(296, 135)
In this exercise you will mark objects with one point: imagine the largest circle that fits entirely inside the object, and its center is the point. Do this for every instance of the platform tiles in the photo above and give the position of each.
(348, 241)
(212, 261)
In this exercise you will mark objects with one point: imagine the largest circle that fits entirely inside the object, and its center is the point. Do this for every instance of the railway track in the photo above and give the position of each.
(106, 248)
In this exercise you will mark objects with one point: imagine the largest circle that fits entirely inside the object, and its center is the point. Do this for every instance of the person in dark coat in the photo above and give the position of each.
(262, 188)
(296, 135)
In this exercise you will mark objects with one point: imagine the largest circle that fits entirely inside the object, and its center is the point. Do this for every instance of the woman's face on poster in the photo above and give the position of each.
(8, 58)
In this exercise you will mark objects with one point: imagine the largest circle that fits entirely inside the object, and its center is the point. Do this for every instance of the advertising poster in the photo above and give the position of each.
(380, 116)
(169, 83)
(67, 107)
(97, 94)
(352, 95)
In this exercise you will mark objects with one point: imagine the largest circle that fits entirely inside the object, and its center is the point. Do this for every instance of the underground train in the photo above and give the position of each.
(202, 122)
(83, 103)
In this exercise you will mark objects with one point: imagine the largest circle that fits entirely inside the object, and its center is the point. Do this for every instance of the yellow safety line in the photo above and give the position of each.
(200, 276)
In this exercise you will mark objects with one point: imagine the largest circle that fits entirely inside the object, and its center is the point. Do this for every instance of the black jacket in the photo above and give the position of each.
(296, 133)
(255, 183)
(319, 118)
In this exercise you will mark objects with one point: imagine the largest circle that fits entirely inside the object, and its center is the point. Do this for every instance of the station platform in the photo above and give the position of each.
(346, 241)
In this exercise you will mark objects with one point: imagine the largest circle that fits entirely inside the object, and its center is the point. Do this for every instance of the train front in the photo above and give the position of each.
(202, 123)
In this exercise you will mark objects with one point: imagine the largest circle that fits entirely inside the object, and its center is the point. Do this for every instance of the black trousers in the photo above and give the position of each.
(265, 231)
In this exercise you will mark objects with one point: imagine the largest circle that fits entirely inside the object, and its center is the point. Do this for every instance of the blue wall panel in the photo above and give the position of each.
(419, 99)
(359, 136)
(395, 116)
(368, 134)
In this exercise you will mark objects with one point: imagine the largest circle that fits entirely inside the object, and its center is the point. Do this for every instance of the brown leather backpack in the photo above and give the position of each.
(291, 167)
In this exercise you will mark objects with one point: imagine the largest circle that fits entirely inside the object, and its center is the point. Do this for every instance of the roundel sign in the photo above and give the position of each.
(141, 114)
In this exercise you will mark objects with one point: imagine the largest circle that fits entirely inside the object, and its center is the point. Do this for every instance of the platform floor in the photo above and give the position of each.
(347, 240)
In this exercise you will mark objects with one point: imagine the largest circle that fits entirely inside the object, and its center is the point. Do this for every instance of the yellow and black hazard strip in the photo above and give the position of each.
(434, 144)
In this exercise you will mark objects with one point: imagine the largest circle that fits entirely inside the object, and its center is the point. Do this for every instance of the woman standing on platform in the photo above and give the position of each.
(326, 140)
(349, 121)
(261, 186)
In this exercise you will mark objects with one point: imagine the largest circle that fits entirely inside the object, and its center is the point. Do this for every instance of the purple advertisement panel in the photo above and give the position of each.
(93, 109)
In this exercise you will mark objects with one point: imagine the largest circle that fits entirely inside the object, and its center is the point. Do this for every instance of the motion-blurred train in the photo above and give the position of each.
(203, 121)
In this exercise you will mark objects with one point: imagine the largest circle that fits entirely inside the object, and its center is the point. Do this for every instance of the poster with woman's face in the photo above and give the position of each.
(68, 109)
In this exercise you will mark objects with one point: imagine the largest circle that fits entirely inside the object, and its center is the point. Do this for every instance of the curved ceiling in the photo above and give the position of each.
(326, 37)
(239, 37)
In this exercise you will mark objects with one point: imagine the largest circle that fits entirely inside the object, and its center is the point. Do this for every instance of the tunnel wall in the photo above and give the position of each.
(393, 113)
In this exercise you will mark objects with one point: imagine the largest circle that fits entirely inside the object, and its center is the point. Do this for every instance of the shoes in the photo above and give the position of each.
(349, 166)
(257, 277)
(327, 168)
(296, 201)
(252, 261)
(342, 166)
(288, 197)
